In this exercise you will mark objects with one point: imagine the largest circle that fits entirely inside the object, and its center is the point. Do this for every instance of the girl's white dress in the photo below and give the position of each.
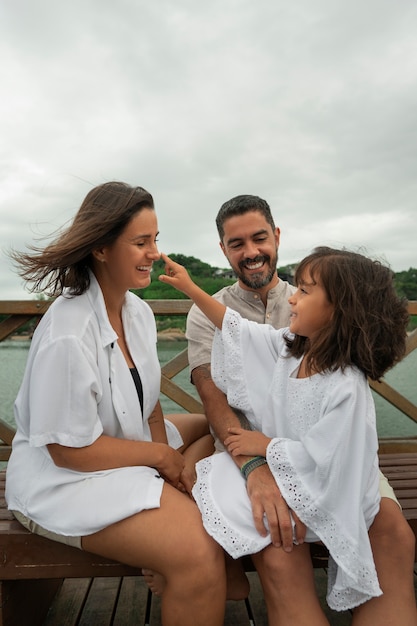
(323, 455)
(76, 387)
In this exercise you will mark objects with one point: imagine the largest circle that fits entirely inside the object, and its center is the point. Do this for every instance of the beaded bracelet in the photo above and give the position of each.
(252, 464)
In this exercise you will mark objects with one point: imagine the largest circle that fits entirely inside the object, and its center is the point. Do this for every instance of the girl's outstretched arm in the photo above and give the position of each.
(177, 276)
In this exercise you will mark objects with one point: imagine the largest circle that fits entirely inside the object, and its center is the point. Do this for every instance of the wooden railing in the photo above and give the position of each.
(19, 312)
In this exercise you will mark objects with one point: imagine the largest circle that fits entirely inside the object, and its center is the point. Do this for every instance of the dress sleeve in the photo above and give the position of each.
(65, 389)
(242, 363)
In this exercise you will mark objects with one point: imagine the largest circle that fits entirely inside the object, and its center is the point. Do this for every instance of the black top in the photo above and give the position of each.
(138, 385)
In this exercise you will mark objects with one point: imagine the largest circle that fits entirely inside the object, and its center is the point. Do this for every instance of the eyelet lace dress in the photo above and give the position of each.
(323, 455)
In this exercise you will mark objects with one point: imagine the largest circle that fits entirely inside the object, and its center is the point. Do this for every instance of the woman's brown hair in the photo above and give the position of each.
(368, 328)
(65, 263)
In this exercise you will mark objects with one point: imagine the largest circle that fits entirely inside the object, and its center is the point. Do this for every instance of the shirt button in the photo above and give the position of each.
(268, 315)
(256, 297)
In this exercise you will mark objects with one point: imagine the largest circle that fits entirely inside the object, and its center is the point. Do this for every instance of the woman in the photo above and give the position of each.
(91, 465)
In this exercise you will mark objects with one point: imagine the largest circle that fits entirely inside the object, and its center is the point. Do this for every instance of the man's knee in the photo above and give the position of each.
(390, 530)
(278, 565)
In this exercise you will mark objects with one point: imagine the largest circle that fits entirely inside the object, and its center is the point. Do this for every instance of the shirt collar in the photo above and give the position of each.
(253, 296)
(96, 298)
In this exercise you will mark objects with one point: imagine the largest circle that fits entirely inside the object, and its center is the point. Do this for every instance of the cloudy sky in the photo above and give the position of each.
(311, 104)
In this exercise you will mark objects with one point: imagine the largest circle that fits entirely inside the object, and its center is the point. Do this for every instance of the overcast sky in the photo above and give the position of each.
(310, 104)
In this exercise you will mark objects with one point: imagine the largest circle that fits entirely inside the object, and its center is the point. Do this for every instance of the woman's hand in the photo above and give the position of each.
(171, 465)
(246, 442)
(188, 479)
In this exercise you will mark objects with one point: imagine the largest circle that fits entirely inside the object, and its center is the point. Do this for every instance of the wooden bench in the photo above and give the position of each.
(33, 567)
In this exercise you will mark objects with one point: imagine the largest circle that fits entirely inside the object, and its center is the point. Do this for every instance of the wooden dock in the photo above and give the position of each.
(126, 602)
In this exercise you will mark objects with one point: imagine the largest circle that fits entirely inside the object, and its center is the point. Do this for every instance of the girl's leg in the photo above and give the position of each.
(288, 584)
(171, 540)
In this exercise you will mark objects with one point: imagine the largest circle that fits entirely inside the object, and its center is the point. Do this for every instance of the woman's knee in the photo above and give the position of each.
(201, 566)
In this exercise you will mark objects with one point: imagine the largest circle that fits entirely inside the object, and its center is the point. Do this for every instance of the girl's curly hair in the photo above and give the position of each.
(368, 328)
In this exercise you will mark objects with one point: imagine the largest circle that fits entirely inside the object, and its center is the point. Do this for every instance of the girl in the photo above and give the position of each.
(91, 465)
(304, 391)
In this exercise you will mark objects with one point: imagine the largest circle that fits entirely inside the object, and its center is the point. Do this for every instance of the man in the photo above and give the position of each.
(249, 239)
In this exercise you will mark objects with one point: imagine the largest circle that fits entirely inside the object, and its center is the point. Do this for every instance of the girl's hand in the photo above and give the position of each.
(176, 275)
(246, 442)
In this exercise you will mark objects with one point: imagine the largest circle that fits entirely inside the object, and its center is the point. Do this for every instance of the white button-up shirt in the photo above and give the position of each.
(77, 386)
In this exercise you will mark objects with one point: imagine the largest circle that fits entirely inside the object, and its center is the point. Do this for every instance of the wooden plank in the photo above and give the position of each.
(176, 365)
(7, 433)
(411, 342)
(26, 602)
(401, 473)
(27, 556)
(407, 493)
(5, 452)
(173, 306)
(399, 444)
(395, 398)
(132, 603)
(68, 603)
(398, 461)
(180, 396)
(101, 602)
(167, 307)
(394, 458)
(24, 307)
(11, 324)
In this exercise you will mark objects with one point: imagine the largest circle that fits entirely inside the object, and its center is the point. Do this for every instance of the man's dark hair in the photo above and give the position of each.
(239, 206)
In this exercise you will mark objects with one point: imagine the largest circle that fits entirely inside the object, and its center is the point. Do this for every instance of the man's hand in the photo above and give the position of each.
(266, 500)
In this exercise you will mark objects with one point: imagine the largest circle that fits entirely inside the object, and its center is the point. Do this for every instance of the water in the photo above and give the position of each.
(390, 421)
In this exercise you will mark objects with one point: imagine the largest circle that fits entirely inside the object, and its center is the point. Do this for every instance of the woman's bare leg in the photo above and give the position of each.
(171, 540)
(287, 581)
(237, 583)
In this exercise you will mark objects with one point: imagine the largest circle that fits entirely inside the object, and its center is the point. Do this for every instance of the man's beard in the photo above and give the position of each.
(257, 281)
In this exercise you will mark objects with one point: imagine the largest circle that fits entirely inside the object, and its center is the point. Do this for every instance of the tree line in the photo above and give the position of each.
(211, 279)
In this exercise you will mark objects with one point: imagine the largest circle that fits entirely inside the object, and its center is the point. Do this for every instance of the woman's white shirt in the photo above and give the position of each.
(76, 386)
